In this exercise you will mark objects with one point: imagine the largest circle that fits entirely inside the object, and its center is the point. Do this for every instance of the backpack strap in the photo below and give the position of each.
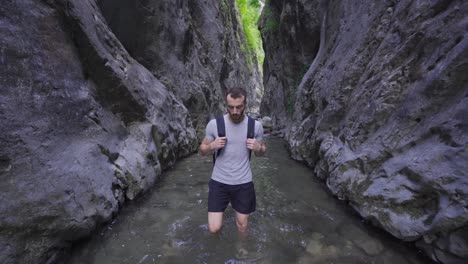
(221, 133)
(250, 131)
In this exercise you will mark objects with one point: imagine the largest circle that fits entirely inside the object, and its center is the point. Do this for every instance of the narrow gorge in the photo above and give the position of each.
(99, 97)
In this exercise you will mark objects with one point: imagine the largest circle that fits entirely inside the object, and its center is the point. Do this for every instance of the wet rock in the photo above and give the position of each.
(381, 111)
(266, 122)
(361, 239)
(455, 243)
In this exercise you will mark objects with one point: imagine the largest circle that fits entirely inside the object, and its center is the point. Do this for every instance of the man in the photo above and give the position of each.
(231, 179)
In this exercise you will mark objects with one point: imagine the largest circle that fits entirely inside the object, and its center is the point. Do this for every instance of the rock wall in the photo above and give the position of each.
(85, 126)
(291, 37)
(193, 47)
(381, 114)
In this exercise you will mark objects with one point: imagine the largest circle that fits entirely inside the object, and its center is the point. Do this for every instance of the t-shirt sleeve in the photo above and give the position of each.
(211, 131)
(258, 131)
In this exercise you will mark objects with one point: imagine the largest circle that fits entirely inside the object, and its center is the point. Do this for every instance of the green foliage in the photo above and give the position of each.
(250, 13)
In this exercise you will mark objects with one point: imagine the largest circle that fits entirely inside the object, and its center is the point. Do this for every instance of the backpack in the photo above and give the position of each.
(222, 133)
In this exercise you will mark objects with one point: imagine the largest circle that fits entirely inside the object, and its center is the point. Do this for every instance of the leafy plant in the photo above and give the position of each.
(250, 13)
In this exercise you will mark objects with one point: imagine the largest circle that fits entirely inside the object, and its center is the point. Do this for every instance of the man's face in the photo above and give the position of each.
(235, 107)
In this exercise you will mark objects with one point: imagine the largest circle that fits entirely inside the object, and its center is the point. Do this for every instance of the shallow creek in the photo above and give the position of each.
(297, 221)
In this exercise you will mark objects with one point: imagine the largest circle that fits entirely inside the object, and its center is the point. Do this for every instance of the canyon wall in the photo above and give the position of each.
(291, 37)
(193, 47)
(90, 117)
(381, 112)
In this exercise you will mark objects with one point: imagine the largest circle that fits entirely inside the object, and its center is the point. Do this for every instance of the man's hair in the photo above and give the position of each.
(236, 92)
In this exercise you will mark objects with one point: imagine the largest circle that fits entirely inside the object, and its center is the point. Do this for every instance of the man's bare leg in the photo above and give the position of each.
(215, 221)
(242, 222)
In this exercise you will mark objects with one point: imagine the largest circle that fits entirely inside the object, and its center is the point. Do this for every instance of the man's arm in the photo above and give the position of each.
(261, 149)
(205, 147)
(209, 147)
(258, 145)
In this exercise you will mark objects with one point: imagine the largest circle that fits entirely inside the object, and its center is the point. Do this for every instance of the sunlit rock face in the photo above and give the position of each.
(382, 113)
(193, 47)
(85, 126)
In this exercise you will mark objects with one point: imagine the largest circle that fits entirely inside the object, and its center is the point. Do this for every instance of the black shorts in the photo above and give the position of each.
(241, 197)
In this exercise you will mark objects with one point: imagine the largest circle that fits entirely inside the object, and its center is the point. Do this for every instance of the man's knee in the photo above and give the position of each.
(214, 228)
(242, 224)
(215, 221)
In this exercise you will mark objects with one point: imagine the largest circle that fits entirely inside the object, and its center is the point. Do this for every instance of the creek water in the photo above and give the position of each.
(296, 221)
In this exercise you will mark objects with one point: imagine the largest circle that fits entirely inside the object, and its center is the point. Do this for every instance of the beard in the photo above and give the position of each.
(237, 118)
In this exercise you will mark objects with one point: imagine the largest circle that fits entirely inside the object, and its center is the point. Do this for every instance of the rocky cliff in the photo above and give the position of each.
(291, 37)
(192, 47)
(90, 115)
(381, 113)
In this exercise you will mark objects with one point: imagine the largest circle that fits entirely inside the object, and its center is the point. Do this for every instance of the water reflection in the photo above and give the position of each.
(296, 221)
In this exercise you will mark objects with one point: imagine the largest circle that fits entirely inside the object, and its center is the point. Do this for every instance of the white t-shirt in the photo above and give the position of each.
(232, 166)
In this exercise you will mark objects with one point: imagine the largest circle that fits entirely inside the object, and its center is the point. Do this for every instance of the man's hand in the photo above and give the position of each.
(209, 147)
(257, 147)
(218, 143)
